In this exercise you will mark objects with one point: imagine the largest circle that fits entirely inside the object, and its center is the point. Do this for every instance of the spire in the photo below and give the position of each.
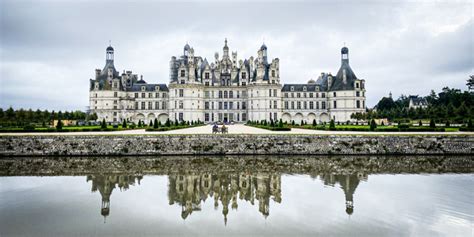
(344, 54)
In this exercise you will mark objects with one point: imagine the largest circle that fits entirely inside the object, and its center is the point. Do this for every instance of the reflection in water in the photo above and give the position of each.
(190, 190)
(107, 183)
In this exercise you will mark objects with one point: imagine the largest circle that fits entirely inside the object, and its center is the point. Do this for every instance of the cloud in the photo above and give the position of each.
(51, 48)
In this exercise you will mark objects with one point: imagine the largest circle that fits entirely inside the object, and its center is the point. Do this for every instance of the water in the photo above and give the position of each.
(188, 199)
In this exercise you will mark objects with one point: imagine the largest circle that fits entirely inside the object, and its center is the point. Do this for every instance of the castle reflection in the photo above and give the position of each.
(105, 184)
(191, 189)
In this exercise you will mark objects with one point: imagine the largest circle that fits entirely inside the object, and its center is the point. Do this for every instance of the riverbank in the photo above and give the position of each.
(235, 144)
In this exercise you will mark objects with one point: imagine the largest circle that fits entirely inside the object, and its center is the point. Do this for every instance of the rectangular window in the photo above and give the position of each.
(323, 105)
(181, 105)
(231, 105)
(244, 75)
(286, 95)
(181, 117)
(358, 104)
(220, 105)
(206, 105)
(310, 95)
(231, 94)
(181, 93)
(275, 93)
(206, 117)
(298, 105)
(317, 104)
(150, 105)
(157, 105)
(143, 105)
(225, 94)
(136, 105)
(334, 94)
(206, 75)
(244, 84)
(183, 73)
(244, 117)
(357, 93)
(275, 116)
(225, 105)
(269, 92)
(273, 73)
(150, 95)
(323, 95)
(115, 94)
(311, 105)
(305, 105)
(275, 104)
(286, 104)
(163, 105)
(206, 83)
(220, 94)
(298, 95)
(143, 95)
(244, 106)
(335, 104)
(292, 105)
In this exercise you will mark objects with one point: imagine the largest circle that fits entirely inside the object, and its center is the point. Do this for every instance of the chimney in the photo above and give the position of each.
(97, 73)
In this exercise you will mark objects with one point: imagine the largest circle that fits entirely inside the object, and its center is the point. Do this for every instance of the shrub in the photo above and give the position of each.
(447, 123)
(104, 124)
(155, 125)
(314, 122)
(59, 126)
(124, 124)
(29, 127)
(420, 124)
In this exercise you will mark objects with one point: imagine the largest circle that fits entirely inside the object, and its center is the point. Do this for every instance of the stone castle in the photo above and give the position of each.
(225, 90)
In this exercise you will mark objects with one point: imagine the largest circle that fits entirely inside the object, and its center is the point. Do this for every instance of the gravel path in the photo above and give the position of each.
(235, 129)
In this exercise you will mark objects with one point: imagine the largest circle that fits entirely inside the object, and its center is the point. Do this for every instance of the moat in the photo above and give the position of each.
(257, 195)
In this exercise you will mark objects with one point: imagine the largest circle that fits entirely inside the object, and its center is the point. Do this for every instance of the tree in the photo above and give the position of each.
(139, 123)
(151, 123)
(314, 123)
(280, 123)
(420, 123)
(432, 123)
(332, 125)
(155, 124)
(469, 123)
(373, 125)
(104, 124)
(168, 123)
(470, 83)
(386, 104)
(124, 124)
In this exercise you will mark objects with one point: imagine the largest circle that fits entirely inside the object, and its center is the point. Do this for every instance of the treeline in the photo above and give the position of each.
(22, 117)
(449, 105)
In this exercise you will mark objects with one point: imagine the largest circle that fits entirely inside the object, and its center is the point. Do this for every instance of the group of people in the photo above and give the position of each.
(217, 129)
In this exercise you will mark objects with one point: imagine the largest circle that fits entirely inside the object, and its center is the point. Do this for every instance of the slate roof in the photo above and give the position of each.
(417, 101)
(338, 81)
(149, 87)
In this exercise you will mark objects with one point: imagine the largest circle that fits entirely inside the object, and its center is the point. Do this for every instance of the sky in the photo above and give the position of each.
(50, 49)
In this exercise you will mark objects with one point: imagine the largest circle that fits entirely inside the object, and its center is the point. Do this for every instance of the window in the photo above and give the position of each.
(292, 105)
(136, 105)
(206, 117)
(286, 95)
(150, 105)
(143, 105)
(115, 94)
(317, 105)
(238, 105)
(298, 95)
(311, 105)
(231, 94)
(225, 94)
(269, 92)
(231, 105)
(206, 83)
(292, 88)
(244, 117)
(143, 95)
(150, 95)
(181, 93)
(358, 104)
(244, 84)
(292, 95)
(310, 95)
(323, 105)
(244, 106)
(304, 95)
(206, 75)
(181, 116)
(286, 104)
(323, 95)
(143, 88)
(157, 95)
(157, 105)
(206, 105)
(304, 88)
(220, 105)
(357, 85)
(305, 105)
(275, 104)
(335, 104)
(220, 94)
(182, 81)
(163, 105)
(183, 73)
(275, 92)
(181, 105)
(244, 75)
(334, 94)
(357, 93)
(273, 73)
(225, 105)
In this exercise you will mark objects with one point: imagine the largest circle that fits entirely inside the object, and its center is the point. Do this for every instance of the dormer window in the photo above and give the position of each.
(206, 75)
(143, 88)
(183, 73)
(304, 88)
(292, 88)
(244, 75)
(357, 85)
(273, 73)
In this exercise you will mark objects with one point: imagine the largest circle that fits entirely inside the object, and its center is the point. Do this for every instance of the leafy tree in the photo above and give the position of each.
(470, 83)
(104, 124)
(314, 123)
(124, 124)
(332, 125)
(373, 125)
(432, 123)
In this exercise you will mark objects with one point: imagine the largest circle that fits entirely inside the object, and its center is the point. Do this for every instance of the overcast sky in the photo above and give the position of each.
(49, 49)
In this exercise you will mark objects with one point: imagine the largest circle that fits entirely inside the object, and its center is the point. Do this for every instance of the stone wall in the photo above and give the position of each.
(52, 145)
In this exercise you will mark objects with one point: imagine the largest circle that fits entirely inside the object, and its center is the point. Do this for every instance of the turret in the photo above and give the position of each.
(225, 49)
(344, 55)
(109, 55)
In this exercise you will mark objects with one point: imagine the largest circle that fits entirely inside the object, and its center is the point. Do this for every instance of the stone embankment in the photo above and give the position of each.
(93, 145)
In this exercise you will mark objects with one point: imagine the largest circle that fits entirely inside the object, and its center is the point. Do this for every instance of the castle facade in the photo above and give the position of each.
(225, 90)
